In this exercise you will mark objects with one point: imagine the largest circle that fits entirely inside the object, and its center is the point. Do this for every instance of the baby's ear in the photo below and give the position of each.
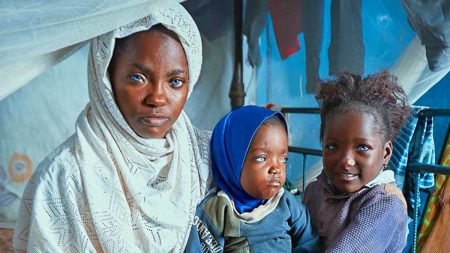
(387, 153)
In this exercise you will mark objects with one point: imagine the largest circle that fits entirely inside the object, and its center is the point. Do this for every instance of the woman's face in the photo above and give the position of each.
(264, 170)
(353, 150)
(150, 78)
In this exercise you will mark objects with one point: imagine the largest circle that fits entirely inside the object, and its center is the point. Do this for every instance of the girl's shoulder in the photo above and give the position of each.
(385, 196)
(317, 191)
(392, 190)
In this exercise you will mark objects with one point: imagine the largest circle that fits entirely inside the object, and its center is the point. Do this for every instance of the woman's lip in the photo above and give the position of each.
(153, 120)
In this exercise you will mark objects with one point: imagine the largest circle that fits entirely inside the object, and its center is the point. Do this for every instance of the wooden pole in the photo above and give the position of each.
(237, 92)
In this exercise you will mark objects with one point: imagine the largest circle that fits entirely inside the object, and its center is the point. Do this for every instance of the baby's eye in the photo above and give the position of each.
(284, 160)
(136, 78)
(261, 158)
(176, 83)
(362, 148)
(331, 146)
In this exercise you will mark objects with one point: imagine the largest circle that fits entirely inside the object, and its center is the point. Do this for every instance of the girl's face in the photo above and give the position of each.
(150, 82)
(353, 150)
(264, 170)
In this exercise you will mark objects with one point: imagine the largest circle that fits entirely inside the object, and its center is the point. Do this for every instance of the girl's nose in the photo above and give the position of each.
(351, 162)
(348, 160)
(156, 95)
(347, 157)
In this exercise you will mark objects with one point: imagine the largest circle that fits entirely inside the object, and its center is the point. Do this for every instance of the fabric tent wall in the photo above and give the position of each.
(38, 34)
(35, 120)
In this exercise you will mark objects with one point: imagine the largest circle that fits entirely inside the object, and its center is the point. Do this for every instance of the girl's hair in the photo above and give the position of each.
(377, 94)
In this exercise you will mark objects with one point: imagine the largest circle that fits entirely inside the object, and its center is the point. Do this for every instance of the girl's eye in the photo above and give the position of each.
(284, 160)
(331, 146)
(176, 83)
(137, 78)
(362, 148)
(260, 159)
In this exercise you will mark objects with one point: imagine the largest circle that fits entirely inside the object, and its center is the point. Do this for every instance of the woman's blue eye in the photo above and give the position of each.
(260, 158)
(176, 83)
(284, 160)
(136, 78)
(362, 148)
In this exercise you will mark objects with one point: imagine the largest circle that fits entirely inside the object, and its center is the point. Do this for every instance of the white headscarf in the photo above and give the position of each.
(141, 193)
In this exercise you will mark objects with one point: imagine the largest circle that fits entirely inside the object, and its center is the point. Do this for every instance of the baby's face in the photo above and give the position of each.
(353, 150)
(264, 169)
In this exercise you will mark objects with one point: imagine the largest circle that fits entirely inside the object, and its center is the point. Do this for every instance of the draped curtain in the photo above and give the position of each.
(36, 35)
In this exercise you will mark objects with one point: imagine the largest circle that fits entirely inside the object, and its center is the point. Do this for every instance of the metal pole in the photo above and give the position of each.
(237, 92)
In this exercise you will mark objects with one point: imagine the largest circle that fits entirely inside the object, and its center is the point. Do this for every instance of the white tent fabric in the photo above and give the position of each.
(413, 71)
(38, 34)
(13, 75)
(35, 120)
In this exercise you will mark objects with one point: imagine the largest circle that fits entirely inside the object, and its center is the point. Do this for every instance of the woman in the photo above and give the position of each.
(131, 176)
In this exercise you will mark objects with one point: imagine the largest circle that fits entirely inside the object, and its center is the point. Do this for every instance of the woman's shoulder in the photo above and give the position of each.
(57, 168)
(202, 134)
(60, 159)
(202, 140)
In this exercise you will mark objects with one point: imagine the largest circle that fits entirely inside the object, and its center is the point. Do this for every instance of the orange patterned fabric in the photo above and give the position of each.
(434, 234)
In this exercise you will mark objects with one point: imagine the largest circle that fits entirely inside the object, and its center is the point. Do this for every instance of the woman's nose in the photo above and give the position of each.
(156, 95)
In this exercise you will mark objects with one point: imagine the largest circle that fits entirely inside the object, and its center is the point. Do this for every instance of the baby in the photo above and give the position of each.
(354, 204)
(249, 211)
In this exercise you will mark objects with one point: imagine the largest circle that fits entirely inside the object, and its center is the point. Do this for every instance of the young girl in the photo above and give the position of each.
(250, 211)
(354, 204)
